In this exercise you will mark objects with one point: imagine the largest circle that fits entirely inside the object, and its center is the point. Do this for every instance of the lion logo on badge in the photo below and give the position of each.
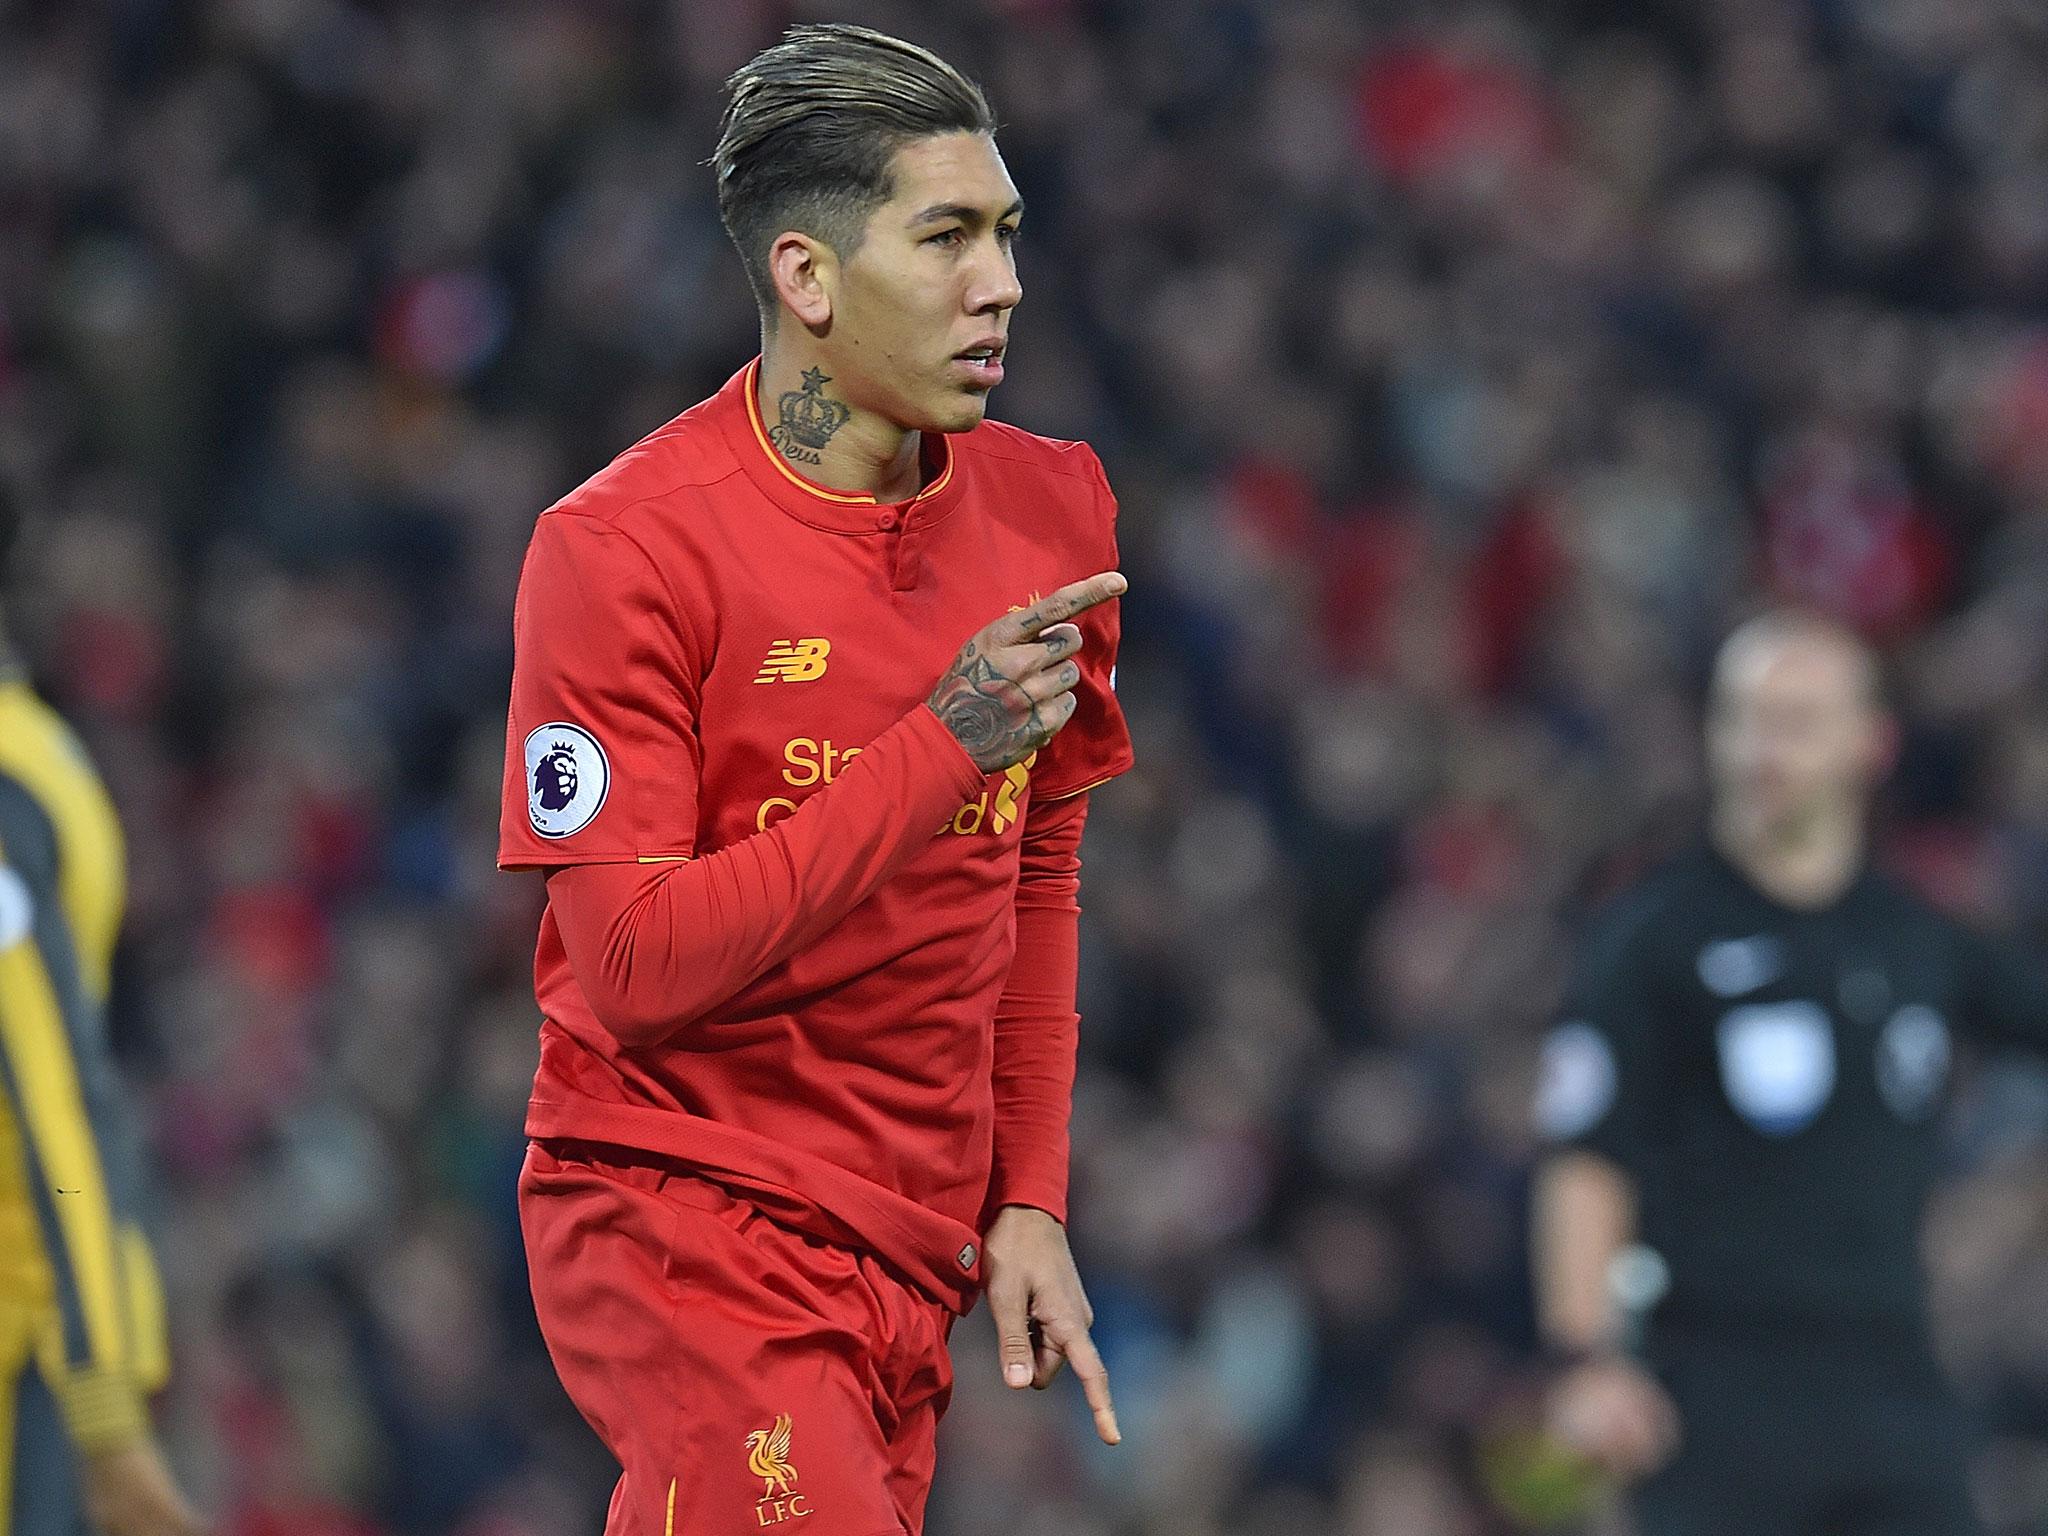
(554, 781)
(567, 778)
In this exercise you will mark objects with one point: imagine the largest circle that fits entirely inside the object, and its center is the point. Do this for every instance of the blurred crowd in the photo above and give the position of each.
(1465, 369)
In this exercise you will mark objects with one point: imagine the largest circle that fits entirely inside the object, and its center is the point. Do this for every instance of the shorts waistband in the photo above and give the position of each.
(649, 1171)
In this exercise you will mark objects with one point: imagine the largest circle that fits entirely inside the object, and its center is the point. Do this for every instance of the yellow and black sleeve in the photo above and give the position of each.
(77, 1139)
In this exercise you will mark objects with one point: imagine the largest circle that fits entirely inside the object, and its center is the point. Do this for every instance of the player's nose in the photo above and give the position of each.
(996, 288)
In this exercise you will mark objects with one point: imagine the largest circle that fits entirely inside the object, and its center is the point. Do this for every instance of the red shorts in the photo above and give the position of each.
(746, 1376)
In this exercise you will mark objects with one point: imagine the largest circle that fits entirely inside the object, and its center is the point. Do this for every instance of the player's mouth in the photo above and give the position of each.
(982, 363)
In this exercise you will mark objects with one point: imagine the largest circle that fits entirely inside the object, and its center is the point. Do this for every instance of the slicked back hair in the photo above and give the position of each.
(810, 128)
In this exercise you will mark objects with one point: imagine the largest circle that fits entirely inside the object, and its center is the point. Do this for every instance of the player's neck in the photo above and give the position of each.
(1809, 865)
(826, 438)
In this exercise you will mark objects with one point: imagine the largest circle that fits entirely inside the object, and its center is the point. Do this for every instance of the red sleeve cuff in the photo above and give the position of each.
(1043, 1192)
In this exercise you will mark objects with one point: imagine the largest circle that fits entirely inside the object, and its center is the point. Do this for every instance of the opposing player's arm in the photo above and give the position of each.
(63, 1093)
(42, 756)
(602, 764)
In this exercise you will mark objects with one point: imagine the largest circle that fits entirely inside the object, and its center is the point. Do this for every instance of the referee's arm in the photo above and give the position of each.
(61, 1088)
(1585, 1215)
(1598, 1104)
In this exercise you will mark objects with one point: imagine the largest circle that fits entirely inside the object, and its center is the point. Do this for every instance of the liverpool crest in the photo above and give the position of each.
(768, 1459)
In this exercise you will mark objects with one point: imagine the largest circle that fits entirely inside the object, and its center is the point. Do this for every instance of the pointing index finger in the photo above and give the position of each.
(1081, 1355)
(1076, 597)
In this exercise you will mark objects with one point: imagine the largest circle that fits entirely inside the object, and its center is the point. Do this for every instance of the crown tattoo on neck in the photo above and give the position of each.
(809, 418)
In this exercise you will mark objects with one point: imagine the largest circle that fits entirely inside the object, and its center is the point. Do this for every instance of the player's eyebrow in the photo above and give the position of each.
(974, 218)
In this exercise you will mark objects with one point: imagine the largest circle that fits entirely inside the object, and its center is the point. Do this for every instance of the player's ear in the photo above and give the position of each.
(803, 270)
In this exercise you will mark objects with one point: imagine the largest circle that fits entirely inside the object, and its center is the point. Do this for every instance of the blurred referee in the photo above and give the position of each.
(1743, 1103)
(81, 1314)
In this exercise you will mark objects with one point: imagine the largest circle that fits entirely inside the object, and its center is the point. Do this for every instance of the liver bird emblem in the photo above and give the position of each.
(768, 1457)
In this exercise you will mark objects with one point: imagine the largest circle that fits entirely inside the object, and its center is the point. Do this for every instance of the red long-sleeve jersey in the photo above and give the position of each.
(783, 903)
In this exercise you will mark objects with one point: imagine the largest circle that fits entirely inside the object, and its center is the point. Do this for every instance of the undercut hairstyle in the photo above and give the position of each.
(810, 128)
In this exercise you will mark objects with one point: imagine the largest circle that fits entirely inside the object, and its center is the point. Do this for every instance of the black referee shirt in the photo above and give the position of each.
(1772, 1079)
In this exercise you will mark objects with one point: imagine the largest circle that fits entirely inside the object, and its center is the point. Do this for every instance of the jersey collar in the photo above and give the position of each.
(1852, 892)
(821, 505)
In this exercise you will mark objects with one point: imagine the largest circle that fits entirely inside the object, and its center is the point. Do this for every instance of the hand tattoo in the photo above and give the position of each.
(809, 419)
(989, 715)
(1001, 718)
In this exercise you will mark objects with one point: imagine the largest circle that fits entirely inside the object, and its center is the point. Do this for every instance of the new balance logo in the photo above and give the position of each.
(795, 661)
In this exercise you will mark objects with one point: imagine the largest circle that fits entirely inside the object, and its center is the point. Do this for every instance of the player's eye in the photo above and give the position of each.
(947, 237)
(1008, 234)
